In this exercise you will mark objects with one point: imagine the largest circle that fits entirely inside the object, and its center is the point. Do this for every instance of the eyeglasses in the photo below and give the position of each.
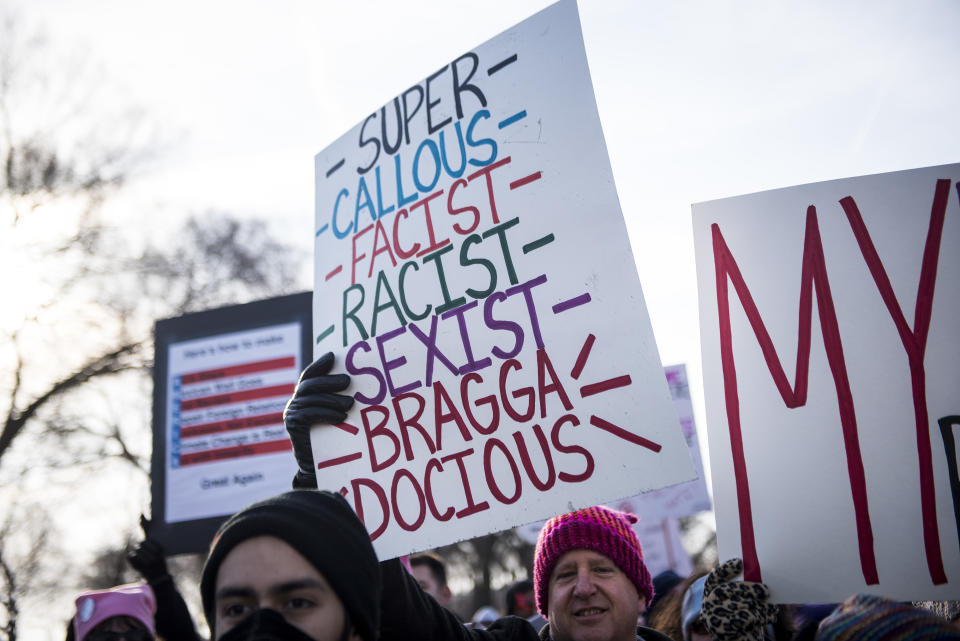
(129, 635)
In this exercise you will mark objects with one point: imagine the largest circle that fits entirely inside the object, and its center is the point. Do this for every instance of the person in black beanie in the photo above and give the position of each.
(407, 613)
(297, 566)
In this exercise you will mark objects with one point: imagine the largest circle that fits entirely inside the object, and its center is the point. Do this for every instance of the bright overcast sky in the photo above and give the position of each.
(698, 100)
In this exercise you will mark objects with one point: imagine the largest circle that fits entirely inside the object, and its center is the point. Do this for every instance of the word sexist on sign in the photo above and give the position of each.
(463, 362)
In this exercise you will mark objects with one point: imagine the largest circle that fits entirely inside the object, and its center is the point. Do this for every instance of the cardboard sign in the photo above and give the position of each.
(661, 540)
(682, 499)
(658, 529)
(829, 325)
(474, 276)
(663, 550)
(689, 497)
(222, 379)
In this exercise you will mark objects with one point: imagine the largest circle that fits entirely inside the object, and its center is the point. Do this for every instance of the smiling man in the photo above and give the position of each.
(589, 576)
(590, 579)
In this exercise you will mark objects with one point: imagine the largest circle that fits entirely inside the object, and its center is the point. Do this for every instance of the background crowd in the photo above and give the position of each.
(300, 566)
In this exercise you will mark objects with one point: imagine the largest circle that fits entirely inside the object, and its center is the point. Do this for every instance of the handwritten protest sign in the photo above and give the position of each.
(474, 275)
(841, 478)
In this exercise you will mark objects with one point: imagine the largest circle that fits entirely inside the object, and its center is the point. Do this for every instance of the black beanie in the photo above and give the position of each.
(323, 528)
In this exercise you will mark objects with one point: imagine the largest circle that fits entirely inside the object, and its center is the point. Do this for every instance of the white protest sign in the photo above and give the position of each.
(474, 276)
(662, 544)
(829, 326)
(684, 498)
(661, 541)
(225, 434)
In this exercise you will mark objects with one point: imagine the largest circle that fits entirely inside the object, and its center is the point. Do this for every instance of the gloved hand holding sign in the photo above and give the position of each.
(314, 402)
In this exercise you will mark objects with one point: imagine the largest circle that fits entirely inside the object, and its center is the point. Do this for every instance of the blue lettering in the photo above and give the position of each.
(336, 204)
(432, 146)
(381, 212)
(483, 113)
(402, 201)
(363, 201)
(463, 154)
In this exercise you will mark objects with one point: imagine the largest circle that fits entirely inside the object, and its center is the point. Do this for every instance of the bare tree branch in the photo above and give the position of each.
(125, 452)
(19, 571)
(98, 288)
(9, 600)
(109, 363)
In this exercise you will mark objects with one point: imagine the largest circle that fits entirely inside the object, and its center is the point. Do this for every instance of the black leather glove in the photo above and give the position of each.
(149, 558)
(735, 610)
(314, 402)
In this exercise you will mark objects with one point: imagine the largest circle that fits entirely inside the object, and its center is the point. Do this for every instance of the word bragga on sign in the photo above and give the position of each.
(474, 277)
(857, 451)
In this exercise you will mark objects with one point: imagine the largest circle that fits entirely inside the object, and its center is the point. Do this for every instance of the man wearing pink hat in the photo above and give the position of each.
(123, 613)
(589, 578)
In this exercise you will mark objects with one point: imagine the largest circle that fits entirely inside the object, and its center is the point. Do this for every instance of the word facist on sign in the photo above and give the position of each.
(841, 478)
(474, 275)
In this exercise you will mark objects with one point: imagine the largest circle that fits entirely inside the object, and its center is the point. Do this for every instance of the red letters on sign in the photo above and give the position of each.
(814, 279)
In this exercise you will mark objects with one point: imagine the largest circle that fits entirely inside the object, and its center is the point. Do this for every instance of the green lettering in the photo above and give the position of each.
(401, 279)
(384, 286)
(352, 314)
(441, 278)
(499, 231)
(473, 239)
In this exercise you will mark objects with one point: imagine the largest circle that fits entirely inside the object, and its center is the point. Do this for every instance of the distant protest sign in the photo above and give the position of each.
(661, 540)
(474, 276)
(684, 498)
(663, 548)
(221, 380)
(831, 360)
(657, 510)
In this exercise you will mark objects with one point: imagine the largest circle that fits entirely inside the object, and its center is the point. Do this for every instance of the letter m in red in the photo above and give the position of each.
(813, 279)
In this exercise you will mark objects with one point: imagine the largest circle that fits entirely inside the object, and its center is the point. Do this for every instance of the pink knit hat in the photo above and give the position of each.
(600, 529)
(93, 608)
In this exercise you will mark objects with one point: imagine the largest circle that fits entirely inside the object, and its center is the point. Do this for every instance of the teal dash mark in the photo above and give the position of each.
(322, 229)
(512, 119)
(324, 334)
(537, 244)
